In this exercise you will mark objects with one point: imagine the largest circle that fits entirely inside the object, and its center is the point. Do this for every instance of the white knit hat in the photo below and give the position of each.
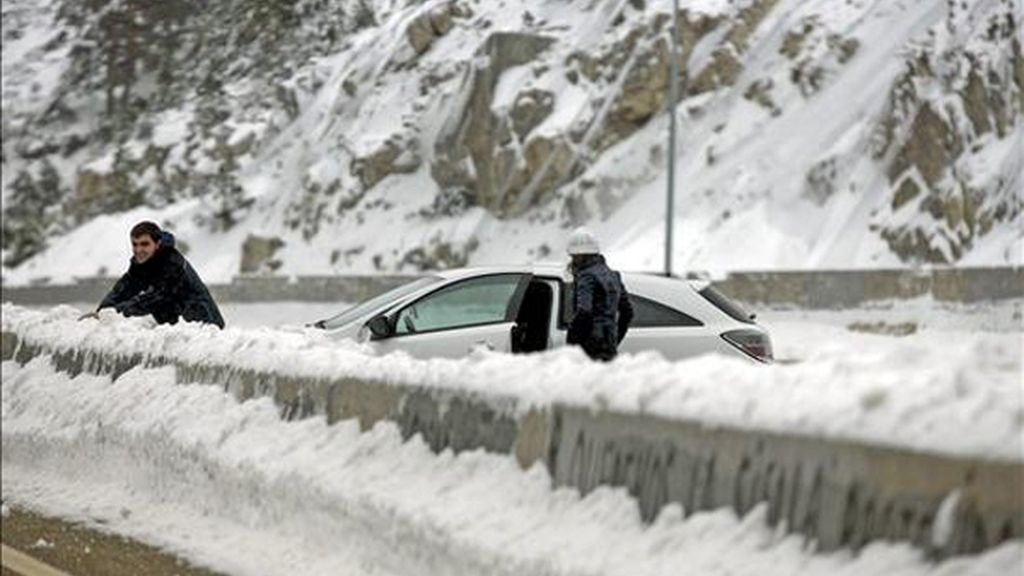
(582, 241)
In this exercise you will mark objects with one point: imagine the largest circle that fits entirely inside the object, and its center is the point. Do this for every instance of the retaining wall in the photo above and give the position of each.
(801, 289)
(837, 493)
(849, 288)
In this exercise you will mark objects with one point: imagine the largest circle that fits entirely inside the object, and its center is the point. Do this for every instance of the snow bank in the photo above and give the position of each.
(231, 486)
(967, 399)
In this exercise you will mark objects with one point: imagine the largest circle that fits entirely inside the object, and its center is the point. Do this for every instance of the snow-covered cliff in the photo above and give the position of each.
(333, 136)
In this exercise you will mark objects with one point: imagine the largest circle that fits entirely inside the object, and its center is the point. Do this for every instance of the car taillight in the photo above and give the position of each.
(751, 342)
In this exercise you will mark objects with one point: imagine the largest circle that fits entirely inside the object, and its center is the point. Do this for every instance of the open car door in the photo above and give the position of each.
(456, 318)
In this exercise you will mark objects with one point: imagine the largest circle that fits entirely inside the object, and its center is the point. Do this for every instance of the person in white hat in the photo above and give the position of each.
(601, 307)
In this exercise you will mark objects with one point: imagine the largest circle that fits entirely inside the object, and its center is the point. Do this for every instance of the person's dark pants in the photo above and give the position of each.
(600, 353)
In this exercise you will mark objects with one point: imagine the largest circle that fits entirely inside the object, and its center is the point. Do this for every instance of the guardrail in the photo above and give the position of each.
(837, 493)
(817, 289)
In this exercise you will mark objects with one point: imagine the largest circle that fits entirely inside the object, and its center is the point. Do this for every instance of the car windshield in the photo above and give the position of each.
(359, 310)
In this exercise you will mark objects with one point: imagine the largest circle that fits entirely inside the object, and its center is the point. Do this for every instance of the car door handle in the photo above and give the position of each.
(481, 344)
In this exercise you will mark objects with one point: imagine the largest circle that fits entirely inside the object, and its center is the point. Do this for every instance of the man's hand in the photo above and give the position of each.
(93, 315)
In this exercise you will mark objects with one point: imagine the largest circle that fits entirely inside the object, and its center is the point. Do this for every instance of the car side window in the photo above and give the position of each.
(651, 314)
(473, 302)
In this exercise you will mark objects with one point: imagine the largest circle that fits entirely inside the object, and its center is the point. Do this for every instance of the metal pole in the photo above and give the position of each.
(673, 83)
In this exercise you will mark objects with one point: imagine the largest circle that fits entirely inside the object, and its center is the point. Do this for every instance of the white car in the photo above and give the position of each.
(527, 309)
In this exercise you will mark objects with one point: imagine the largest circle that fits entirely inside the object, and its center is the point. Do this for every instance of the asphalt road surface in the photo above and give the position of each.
(81, 551)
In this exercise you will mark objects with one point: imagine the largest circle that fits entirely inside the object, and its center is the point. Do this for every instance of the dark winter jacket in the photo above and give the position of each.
(601, 310)
(165, 286)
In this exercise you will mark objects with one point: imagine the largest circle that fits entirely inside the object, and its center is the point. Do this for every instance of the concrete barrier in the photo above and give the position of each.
(837, 493)
(823, 289)
(818, 289)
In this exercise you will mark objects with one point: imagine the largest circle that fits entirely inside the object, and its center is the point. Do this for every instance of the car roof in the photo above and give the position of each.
(558, 270)
(537, 269)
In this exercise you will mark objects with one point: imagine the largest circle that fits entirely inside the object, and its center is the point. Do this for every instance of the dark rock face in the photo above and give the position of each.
(258, 254)
(136, 69)
(473, 151)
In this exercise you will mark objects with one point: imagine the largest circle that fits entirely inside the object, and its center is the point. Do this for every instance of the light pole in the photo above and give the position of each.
(673, 83)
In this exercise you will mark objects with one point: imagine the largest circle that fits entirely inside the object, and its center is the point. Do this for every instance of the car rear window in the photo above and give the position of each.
(651, 314)
(726, 305)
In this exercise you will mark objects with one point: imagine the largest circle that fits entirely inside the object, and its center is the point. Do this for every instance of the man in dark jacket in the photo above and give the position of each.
(601, 308)
(159, 281)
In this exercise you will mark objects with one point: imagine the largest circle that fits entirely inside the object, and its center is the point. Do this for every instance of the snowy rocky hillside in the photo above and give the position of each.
(339, 136)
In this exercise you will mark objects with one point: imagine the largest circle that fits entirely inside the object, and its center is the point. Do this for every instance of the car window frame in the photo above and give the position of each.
(565, 304)
(511, 309)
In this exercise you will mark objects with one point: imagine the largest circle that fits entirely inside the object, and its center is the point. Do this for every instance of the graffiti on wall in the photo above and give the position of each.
(807, 494)
(450, 421)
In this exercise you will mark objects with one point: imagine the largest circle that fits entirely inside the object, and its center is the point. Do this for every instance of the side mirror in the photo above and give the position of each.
(379, 326)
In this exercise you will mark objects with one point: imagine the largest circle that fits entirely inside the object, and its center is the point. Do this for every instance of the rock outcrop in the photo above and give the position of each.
(942, 110)
(475, 149)
(315, 115)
